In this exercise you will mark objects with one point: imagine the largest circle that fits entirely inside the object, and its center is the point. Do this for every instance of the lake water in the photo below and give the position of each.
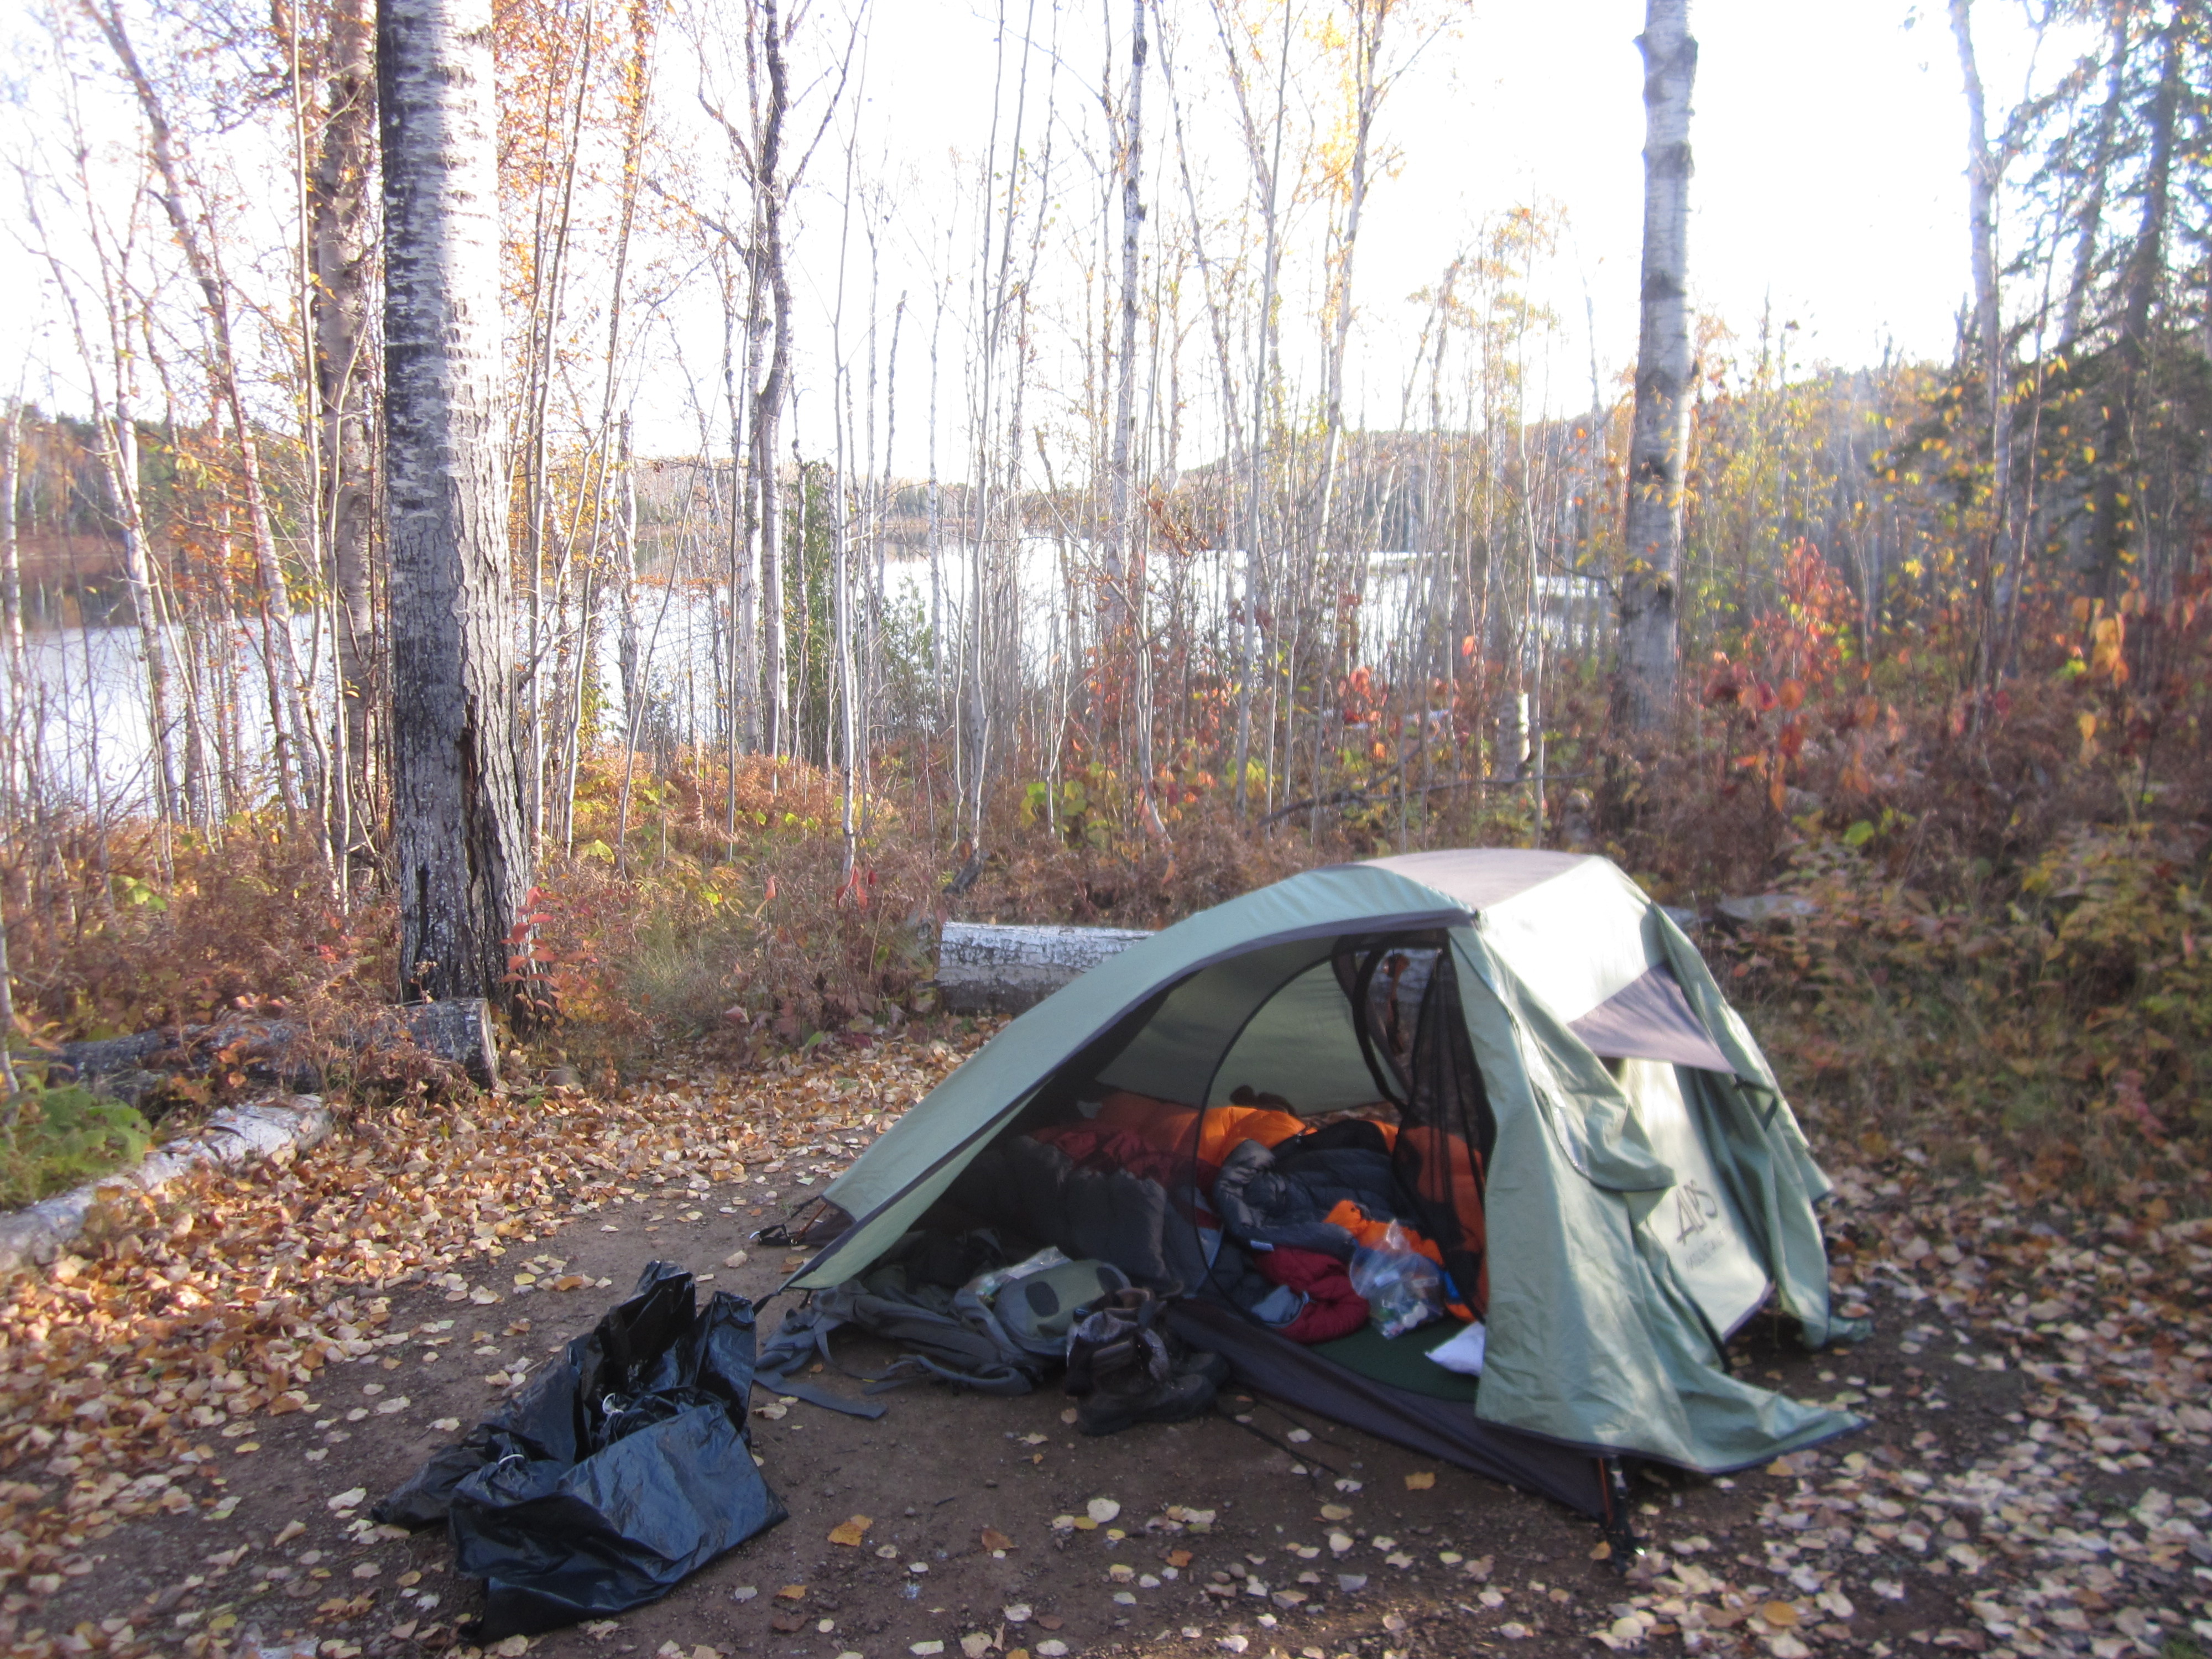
(86, 700)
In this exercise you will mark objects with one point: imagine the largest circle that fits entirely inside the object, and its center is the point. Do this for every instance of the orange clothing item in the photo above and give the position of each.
(1370, 1233)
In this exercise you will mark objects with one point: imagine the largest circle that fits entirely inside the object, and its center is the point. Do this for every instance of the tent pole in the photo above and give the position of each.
(1619, 1530)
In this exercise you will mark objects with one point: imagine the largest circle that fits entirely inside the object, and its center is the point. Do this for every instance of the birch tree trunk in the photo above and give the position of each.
(1126, 565)
(1651, 648)
(296, 741)
(775, 388)
(2089, 225)
(11, 579)
(460, 849)
(2120, 487)
(1983, 167)
(344, 268)
(18, 768)
(1266, 168)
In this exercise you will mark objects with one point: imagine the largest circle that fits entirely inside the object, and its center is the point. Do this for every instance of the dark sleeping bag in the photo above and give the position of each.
(1279, 1197)
(1034, 1188)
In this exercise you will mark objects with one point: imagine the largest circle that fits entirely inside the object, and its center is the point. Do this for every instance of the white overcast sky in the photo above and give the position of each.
(1828, 137)
(1829, 142)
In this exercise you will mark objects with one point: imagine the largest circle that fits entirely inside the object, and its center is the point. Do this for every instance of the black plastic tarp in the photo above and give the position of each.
(611, 1475)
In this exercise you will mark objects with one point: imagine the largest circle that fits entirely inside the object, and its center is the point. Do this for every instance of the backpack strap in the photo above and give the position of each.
(804, 1334)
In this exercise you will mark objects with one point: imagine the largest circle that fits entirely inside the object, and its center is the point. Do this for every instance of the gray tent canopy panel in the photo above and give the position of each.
(1654, 1186)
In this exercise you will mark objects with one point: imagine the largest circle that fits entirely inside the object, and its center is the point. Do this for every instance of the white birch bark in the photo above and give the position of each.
(341, 231)
(1126, 566)
(461, 860)
(11, 579)
(1650, 647)
(1267, 169)
(297, 743)
(1983, 169)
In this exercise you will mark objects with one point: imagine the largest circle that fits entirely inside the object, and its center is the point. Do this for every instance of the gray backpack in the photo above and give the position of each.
(948, 1336)
(1040, 1310)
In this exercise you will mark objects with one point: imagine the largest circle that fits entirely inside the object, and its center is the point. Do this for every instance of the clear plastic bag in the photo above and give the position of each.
(1404, 1289)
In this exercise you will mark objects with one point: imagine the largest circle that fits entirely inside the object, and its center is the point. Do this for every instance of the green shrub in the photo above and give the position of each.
(51, 1140)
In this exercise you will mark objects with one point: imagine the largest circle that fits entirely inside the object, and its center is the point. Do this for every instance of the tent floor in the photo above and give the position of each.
(1402, 1362)
(1447, 1429)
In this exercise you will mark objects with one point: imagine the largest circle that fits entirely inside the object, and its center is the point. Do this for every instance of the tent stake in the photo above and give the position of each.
(1617, 1528)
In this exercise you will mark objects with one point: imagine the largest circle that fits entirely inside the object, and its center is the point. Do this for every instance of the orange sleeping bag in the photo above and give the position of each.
(1173, 1128)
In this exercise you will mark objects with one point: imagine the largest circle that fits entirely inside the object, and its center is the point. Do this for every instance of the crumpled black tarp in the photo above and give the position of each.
(611, 1475)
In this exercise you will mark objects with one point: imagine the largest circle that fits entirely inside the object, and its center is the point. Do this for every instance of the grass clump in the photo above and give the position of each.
(52, 1139)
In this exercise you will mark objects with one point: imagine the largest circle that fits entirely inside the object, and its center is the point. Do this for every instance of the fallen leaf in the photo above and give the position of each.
(348, 1499)
(570, 1282)
(1178, 1559)
(1780, 1614)
(849, 1533)
(992, 1539)
(1101, 1510)
(1421, 1480)
(290, 1530)
(786, 1623)
(512, 1648)
(1018, 1613)
(792, 1592)
(1336, 1512)
(735, 1259)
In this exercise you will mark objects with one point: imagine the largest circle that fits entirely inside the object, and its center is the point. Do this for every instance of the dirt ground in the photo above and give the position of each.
(2012, 1493)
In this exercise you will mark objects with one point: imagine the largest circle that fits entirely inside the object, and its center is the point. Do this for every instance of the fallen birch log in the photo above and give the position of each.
(459, 1030)
(983, 967)
(231, 1138)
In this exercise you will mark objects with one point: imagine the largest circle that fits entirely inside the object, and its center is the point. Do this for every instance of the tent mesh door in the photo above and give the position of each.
(1406, 1007)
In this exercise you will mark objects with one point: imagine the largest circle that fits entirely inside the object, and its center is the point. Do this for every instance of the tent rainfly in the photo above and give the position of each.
(1584, 1130)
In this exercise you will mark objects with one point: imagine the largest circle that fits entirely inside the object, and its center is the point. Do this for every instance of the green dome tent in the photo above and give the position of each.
(1639, 1185)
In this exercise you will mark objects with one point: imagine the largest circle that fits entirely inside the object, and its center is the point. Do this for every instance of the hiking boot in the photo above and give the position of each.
(1113, 1330)
(1114, 1335)
(1109, 1410)
(1127, 1369)
(1203, 1362)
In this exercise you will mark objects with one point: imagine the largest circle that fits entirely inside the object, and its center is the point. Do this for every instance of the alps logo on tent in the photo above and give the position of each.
(1695, 1210)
